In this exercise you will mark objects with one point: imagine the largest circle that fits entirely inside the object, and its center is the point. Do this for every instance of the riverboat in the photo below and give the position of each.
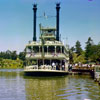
(48, 56)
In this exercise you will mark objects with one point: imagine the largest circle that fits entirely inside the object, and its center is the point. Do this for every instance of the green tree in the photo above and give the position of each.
(8, 54)
(71, 52)
(78, 48)
(89, 43)
(95, 53)
(14, 55)
(22, 56)
(80, 58)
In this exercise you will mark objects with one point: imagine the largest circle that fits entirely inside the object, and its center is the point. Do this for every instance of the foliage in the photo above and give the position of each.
(8, 55)
(8, 63)
(80, 58)
(78, 48)
(95, 53)
(89, 43)
(10, 59)
(22, 56)
(90, 54)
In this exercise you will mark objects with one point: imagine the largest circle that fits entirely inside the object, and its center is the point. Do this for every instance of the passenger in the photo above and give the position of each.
(70, 67)
(63, 67)
(53, 64)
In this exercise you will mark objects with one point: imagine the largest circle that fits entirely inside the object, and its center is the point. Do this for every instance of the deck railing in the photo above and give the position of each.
(44, 67)
(47, 55)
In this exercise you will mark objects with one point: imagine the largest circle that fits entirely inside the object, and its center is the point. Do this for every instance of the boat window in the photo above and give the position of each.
(51, 49)
(36, 49)
(58, 50)
(29, 49)
(45, 49)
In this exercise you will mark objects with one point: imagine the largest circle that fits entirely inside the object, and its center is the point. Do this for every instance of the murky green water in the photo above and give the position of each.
(15, 86)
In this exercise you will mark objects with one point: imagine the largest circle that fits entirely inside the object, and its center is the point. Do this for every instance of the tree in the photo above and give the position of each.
(8, 54)
(80, 58)
(71, 52)
(14, 55)
(22, 56)
(95, 53)
(78, 48)
(89, 43)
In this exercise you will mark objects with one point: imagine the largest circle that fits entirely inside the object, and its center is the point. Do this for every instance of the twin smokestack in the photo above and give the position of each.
(57, 21)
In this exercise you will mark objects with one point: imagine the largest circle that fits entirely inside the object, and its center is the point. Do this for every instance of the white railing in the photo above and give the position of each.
(46, 55)
(43, 67)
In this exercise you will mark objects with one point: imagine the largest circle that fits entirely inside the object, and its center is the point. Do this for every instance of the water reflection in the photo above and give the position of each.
(15, 86)
(58, 88)
(45, 88)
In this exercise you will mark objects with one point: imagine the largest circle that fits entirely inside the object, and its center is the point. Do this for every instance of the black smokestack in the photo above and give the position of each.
(34, 27)
(57, 21)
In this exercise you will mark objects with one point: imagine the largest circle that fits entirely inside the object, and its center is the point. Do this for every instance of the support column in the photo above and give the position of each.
(61, 49)
(47, 49)
(43, 61)
(37, 61)
(55, 49)
(31, 48)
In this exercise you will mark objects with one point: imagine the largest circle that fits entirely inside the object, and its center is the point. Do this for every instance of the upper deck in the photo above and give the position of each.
(47, 46)
(47, 34)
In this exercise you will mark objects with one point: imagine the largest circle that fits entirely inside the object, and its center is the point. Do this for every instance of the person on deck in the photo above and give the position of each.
(53, 64)
(63, 67)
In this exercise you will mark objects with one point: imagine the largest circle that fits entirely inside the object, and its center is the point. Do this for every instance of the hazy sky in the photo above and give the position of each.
(79, 19)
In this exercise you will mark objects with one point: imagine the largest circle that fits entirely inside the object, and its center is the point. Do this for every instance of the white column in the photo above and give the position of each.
(37, 63)
(61, 65)
(55, 49)
(43, 61)
(61, 49)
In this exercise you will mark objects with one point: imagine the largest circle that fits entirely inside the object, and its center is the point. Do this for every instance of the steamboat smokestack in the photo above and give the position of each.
(34, 23)
(57, 21)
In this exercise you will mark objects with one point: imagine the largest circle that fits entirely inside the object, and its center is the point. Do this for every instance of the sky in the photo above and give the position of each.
(79, 19)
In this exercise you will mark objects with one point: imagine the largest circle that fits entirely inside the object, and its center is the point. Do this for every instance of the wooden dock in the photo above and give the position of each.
(82, 71)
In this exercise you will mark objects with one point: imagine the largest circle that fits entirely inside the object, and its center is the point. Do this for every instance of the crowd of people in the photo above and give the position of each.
(57, 66)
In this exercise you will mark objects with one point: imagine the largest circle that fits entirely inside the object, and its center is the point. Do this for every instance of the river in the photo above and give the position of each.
(15, 86)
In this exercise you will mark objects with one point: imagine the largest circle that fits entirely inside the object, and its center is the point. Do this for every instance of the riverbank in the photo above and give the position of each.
(11, 64)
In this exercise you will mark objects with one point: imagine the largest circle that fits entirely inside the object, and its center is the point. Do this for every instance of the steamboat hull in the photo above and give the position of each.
(45, 73)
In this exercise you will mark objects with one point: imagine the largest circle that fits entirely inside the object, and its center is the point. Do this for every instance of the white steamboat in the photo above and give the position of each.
(48, 56)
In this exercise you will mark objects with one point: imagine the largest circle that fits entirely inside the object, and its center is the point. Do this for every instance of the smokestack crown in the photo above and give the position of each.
(35, 7)
(58, 6)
